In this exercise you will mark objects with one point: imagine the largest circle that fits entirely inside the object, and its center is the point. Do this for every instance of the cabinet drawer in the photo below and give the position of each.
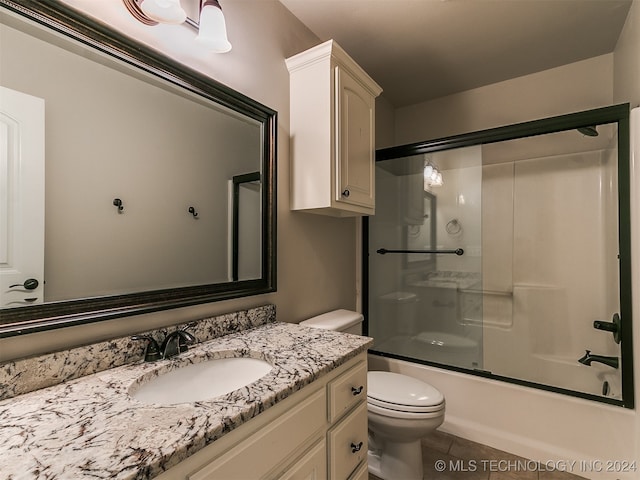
(347, 390)
(348, 444)
(272, 445)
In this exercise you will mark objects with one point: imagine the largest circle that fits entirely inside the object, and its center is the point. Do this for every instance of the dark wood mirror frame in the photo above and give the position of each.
(63, 19)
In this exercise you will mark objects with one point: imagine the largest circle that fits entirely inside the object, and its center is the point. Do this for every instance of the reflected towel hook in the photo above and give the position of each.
(193, 212)
(118, 203)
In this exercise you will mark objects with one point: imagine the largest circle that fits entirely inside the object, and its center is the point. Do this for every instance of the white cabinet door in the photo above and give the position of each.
(272, 445)
(332, 133)
(21, 198)
(312, 466)
(355, 130)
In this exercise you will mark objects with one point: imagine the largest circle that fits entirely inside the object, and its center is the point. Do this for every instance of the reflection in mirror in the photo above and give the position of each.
(245, 255)
(541, 211)
(422, 235)
(116, 180)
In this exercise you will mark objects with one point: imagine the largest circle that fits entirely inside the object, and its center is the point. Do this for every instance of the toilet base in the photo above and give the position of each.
(397, 461)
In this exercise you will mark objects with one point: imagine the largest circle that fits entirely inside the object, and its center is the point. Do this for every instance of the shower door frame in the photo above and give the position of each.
(612, 114)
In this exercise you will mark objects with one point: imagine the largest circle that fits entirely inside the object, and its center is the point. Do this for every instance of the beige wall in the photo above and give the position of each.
(385, 123)
(316, 254)
(570, 88)
(626, 80)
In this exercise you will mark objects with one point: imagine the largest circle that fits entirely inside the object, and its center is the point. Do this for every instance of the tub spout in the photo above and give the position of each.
(588, 358)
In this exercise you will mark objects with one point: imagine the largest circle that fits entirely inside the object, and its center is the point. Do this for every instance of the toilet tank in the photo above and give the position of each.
(338, 320)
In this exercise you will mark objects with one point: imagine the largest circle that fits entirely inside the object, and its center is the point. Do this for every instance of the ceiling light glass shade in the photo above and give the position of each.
(213, 30)
(164, 11)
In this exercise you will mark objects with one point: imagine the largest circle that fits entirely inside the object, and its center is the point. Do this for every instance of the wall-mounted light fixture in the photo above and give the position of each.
(211, 25)
(432, 175)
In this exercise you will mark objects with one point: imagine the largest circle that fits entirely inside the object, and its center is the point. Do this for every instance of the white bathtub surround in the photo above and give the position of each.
(527, 422)
(91, 428)
(28, 374)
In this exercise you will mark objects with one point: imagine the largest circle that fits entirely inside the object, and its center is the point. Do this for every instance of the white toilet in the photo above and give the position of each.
(401, 410)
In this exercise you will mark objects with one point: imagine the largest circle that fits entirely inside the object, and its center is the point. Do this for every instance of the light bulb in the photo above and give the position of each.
(213, 30)
(164, 11)
(428, 169)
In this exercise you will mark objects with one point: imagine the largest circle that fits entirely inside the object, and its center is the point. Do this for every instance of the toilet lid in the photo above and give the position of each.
(393, 389)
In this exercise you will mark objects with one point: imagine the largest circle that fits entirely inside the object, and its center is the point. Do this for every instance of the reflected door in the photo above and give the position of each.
(21, 198)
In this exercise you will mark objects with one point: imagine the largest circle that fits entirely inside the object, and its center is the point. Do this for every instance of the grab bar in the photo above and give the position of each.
(384, 251)
(505, 293)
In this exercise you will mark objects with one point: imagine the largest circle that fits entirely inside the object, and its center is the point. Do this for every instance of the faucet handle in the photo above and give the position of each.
(613, 327)
(185, 339)
(152, 350)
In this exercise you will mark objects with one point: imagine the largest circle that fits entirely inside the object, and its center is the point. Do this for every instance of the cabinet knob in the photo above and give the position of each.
(346, 193)
(356, 447)
(357, 391)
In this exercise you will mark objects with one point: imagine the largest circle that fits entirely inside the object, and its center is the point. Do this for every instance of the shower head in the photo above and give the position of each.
(589, 131)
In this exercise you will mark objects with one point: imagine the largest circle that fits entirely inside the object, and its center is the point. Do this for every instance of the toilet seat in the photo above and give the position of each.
(402, 393)
(399, 414)
(404, 408)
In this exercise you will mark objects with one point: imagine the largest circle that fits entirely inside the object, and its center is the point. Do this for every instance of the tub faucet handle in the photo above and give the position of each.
(613, 327)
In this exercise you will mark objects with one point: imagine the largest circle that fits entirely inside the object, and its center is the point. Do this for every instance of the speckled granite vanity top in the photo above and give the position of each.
(91, 428)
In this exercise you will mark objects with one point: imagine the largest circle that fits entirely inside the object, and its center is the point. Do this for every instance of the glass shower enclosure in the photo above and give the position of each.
(505, 253)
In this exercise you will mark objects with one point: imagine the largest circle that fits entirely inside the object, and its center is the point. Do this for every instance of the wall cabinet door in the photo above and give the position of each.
(355, 133)
(332, 133)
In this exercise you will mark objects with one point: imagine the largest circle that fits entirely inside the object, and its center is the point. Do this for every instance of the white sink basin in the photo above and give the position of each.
(201, 381)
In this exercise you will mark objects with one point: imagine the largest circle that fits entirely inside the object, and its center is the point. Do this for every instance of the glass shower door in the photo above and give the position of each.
(510, 257)
(425, 277)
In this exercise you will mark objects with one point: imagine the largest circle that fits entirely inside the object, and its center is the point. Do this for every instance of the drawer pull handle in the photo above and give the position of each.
(355, 448)
(346, 193)
(357, 391)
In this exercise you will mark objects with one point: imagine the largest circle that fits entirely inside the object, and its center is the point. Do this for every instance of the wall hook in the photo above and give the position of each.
(118, 203)
(193, 212)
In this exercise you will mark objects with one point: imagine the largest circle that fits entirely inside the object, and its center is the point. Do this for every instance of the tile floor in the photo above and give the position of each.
(466, 460)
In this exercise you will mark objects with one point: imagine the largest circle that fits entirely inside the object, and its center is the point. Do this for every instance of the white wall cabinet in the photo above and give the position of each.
(332, 133)
(318, 433)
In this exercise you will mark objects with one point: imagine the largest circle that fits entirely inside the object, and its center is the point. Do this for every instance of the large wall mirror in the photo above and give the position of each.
(119, 173)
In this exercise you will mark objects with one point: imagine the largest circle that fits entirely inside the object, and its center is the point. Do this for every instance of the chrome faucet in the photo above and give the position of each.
(588, 358)
(176, 342)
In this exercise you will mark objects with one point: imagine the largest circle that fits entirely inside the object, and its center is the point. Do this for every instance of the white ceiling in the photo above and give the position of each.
(423, 49)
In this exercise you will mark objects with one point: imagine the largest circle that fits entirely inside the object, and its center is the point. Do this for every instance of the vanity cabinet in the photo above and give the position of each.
(320, 432)
(332, 133)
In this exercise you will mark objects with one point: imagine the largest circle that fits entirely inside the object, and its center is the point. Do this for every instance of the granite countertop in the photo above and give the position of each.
(91, 428)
